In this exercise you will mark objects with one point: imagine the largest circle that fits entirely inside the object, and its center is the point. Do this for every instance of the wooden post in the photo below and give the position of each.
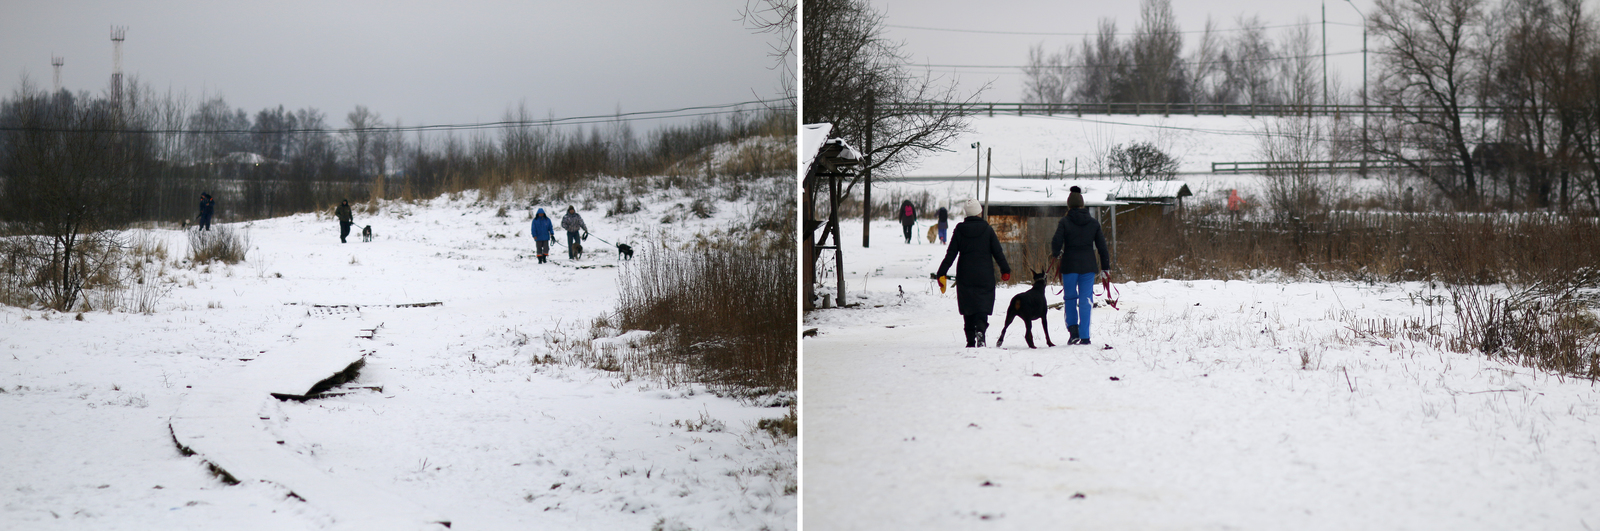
(833, 224)
(866, 188)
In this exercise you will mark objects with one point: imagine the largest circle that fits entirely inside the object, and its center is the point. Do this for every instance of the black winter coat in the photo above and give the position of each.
(978, 248)
(1077, 238)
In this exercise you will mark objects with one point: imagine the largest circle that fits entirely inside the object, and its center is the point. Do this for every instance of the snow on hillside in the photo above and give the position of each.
(1022, 145)
(1267, 404)
(472, 422)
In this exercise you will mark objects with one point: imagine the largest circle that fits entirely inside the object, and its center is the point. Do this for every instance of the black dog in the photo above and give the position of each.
(1029, 305)
(366, 233)
(625, 251)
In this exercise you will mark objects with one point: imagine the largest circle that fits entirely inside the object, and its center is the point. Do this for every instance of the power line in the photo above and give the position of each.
(1096, 34)
(1131, 65)
(779, 104)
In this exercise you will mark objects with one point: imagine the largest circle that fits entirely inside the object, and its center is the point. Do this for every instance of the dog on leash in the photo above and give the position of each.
(933, 233)
(366, 233)
(625, 251)
(1029, 305)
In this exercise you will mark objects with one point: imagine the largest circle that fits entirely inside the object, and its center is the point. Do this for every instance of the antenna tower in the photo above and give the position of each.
(118, 34)
(56, 62)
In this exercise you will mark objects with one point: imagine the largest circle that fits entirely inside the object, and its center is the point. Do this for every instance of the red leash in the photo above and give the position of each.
(1112, 301)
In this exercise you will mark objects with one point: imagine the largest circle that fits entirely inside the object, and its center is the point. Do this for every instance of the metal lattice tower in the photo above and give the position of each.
(118, 34)
(56, 62)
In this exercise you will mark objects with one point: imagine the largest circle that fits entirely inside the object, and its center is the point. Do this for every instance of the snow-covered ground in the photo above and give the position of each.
(469, 424)
(1268, 404)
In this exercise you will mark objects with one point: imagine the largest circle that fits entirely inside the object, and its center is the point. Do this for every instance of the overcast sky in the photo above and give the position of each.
(424, 62)
(936, 47)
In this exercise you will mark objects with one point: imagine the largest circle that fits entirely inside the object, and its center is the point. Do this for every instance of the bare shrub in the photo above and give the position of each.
(1548, 325)
(727, 316)
(222, 243)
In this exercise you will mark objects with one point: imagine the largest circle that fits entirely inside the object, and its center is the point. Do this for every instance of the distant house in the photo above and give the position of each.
(1024, 212)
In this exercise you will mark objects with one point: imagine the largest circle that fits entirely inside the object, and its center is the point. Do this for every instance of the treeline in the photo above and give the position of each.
(1493, 103)
(1151, 65)
(157, 153)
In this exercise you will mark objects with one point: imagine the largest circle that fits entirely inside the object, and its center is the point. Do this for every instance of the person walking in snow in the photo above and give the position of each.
(1077, 239)
(572, 223)
(208, 206)
(975, 249)
(908, 217)
(944, 223)
(346, 219)
(542, 231)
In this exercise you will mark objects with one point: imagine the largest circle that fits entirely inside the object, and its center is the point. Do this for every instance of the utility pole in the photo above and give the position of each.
(866, 163)
(977, 169)
(1324, 54)
(1364, 108)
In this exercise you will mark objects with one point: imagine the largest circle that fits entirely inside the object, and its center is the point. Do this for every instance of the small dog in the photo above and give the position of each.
(1029, 305)
(625, 251)
(933, 233)
(366, 233)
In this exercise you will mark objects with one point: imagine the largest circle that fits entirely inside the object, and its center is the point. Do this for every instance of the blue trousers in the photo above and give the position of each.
(1078, 289)
(573, 244)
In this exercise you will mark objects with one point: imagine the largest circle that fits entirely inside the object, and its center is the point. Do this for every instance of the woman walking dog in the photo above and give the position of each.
(978, 248)
(1077, 239)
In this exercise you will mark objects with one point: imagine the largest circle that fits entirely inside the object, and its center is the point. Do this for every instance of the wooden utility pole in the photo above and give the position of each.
(866, 189)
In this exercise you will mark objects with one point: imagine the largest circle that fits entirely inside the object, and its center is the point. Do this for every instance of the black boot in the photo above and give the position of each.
(980, 338)
(966, 327)
(980, 328)
(1072, 332)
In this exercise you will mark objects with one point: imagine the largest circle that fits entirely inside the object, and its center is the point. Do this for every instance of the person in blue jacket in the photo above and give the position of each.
(542, 230)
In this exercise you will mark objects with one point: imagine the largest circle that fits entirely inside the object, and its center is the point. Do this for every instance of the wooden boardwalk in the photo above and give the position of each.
(220, 420)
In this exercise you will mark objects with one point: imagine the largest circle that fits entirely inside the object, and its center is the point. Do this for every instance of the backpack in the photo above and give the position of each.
(909, 212)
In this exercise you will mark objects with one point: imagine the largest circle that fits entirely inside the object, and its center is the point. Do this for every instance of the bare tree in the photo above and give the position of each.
(67, 166)
(853, 74)
(1427, 64)
(1048, 77)
(1157, 46)
(777, 17)
(1205, 70)
(1297, 70)
(362, 124)
(1105, 66)
(1246, 65)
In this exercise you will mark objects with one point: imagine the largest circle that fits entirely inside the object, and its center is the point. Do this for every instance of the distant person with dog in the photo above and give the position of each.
(542, 231)
(572, 223)
(944, 223)
(208, 206)
(346, 219)
(908, 217)
(1077, 239)
(974, 248)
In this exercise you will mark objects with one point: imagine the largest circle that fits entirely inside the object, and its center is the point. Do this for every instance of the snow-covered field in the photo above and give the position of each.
(467, 425)
(1266, 404)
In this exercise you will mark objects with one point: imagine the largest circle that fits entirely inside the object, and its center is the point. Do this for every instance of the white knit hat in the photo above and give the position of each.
(974, 208)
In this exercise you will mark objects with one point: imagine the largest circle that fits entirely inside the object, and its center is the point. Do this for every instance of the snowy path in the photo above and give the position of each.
(221, 421)
(1224, 405)
(475, 421)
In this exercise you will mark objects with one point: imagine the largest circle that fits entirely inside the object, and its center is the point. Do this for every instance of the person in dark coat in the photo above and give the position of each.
(542, 231)
(346, 219)
(944, 223)
(908, 217)
(208, 206)
(978, 249)
(571, 223)
(1078, 238)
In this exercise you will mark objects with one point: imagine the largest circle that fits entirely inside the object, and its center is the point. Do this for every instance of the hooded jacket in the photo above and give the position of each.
(1077, 238)
(572, 222)
(979, 249)
(542, 228)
